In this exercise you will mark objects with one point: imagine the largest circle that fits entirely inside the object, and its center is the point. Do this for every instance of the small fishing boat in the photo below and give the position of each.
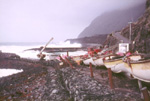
(98, 61)
(88, 61)
(115, 63)
(77, 59)
(138, 67)
(93, 54)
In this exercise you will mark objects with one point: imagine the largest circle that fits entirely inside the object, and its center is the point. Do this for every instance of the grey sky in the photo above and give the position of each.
(39, 20)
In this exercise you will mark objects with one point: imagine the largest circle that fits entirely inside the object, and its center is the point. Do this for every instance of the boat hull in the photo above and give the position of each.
(140, 70)
(116, 65)
(98, 62)
(88, 61)
(78, 60)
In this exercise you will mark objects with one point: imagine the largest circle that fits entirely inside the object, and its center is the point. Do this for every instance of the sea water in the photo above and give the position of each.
(7, 72)
(21, 49)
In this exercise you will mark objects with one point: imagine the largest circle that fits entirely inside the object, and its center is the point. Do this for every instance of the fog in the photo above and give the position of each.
(39, 20)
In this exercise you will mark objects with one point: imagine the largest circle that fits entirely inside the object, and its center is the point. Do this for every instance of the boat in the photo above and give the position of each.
(77, 59)
(139, 67)
(116, 64)
(88, 61)
(92, 54)
(98, 61)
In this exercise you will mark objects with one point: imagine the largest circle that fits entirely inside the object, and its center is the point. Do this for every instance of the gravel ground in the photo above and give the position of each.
(47, 81)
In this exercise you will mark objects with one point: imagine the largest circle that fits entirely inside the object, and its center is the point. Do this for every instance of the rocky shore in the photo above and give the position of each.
(47, 81)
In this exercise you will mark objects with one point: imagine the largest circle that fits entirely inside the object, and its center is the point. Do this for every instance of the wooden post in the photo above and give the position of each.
(63, 60)
(140, 84)
(145, 94)
(69, 63)
(46, 45)
(140, 87)
(67, 53)
(110, 78)
(40, 55)
(91, 70)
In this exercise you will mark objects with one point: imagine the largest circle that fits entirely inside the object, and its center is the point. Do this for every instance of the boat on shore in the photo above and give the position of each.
(116, 64)
(98, 61)
(88, 61)
(139, 67)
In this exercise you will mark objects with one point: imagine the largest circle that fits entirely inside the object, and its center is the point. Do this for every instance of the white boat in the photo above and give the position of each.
(116, 64)
(139, 68)
(98, 61)
(88, 61)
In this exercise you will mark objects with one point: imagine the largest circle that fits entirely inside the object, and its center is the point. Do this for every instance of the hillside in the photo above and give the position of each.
(99, 39)
(140, 33)
(112, 21)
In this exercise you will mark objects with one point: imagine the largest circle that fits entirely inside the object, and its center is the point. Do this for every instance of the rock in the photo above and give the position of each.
(54, 91)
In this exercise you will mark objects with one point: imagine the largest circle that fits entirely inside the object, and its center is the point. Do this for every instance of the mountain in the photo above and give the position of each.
(113, 21)
(140, 33)
(86, 41)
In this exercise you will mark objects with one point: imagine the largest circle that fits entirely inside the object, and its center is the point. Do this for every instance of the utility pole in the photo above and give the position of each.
(130, 32)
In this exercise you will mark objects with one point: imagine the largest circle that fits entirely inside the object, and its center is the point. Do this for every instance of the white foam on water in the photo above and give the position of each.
(7, 72)
(66, 44)
(77, 53)
(20, 49)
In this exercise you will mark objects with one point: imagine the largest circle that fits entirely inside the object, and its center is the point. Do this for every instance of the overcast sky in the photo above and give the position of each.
(39, 20)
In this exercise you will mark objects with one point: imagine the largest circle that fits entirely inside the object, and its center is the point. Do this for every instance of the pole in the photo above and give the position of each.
(91, 70)
(145, 94)
(63, 60)
(67, 53)
(130, 32)
(46, 45)
(40, 55)
(69, 63)
(110, 78)
(140, 87)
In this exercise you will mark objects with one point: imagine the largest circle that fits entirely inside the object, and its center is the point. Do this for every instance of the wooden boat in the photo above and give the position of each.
(98, 61)
(116, 64)
(88, 61)
(77, 59)
(138, 67)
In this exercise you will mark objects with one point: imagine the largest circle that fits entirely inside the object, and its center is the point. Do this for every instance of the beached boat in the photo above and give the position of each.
(115, 63)
(138, 67)
(107, 61)
(98, 61)
(77, 59)
(88, 61)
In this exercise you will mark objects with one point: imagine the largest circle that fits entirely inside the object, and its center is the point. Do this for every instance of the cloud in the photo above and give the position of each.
(25, 20)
